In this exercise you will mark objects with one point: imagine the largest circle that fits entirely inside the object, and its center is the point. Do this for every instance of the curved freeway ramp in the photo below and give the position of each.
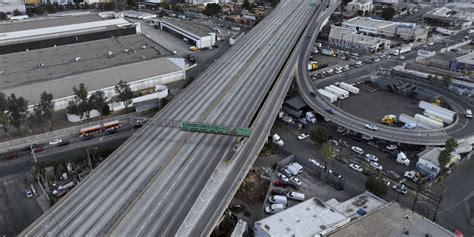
(149, 185)
(462, 129)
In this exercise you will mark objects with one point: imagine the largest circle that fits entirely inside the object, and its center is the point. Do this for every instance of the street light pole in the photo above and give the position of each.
(33, 153)
(89, 157)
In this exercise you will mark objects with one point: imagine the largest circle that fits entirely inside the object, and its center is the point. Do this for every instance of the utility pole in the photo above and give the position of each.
(89, 157)
(439, 202)
(33, 153)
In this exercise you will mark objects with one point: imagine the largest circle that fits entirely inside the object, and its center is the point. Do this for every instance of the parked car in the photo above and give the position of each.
(340, 129)
(285, 171)
(28, 193)
(339, 176)
(410, 174)
(344, 143)
(317, 164)
(303, 136)
(278, 191)
(277, 199)
(274, 208)
(334, 142)
(356, 167)
(376, 165)
(283, 178)
(38, 149)
(400, 188)
(357, 150)
(296, 181)
(393, 173)
(278, 183)
(370, 157)
(295, 196)
(55, 141)
(392, 147)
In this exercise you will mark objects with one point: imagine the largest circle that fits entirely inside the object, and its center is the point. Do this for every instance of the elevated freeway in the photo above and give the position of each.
(151, 184)
(462, 129)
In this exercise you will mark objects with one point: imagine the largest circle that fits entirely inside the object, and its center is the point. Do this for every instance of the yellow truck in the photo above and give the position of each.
(389, 119)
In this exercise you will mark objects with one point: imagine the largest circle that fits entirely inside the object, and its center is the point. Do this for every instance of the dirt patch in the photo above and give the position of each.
(253, 188)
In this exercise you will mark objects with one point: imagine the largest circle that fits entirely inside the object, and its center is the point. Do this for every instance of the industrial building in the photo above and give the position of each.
(199, 35)
(99, 64)
(315, 217)
(391, 220)
(353, 7)
(346, 38)
(58, 30)
(464, 64)
(389, 29)
(451, 18)
(12, 6)
(428, 163)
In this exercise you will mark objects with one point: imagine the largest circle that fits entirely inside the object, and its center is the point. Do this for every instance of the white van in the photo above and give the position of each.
(274, 208)
(277, 199)
(468, 113)
(293, 170)
(297, 167)
(295, 196)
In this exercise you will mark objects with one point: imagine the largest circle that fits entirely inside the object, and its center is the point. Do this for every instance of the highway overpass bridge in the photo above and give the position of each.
(164, 181)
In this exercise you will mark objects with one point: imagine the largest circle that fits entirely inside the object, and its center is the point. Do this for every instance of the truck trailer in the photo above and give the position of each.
(349, 87)
(407, 120)
(346, 93)
(425, 122)
(428, 106)
(337, 93)
(438, 116)
(327, 96)
(328, 52)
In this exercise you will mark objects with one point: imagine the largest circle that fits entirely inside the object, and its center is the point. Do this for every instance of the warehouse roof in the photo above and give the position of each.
(48, 22)
(391, 220)
(57, 62)
(308, 218)
(359, 205)
(346, 34)
(466, 59)
(96, 79)
(190, 26)
(368, 22)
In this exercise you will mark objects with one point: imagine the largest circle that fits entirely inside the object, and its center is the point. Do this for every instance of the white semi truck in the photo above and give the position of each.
(349, 87)
(327, 96)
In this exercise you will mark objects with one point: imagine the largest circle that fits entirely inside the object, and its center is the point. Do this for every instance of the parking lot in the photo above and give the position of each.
(381, 103)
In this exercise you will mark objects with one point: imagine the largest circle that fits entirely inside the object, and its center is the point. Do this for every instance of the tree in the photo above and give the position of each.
(444, 158)
(50, 8)
(46, 108)
(320, 135)
(38, 10)
(376, 186)
(165, 5)
(132, 4)
(3, 16)
(80, 106)
(18, 111)
(246, 5)
(85, 5)
(275, 2)
(16, 12)
(4, 115)
(451, 144)
(98, 102)
(124, 92)
(360, 12)
(212, 9)
(329, 152)
(447, 80)
(366, 13)
(388, 13)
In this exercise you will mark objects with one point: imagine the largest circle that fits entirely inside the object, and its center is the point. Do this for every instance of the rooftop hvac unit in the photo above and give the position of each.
(110, 53)
(77, 59)
(143, 46)
(125, 50)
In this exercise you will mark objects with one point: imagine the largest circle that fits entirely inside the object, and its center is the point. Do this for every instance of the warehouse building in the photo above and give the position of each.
(464, 64)
(59, 30)
(199, 35)
(451, 18)
(346, 38)
(388, 29)
(391, 220)
(315, 217)
(99, 64)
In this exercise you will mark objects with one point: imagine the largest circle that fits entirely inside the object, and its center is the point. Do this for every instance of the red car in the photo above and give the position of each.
(38, 149)
(279, 183)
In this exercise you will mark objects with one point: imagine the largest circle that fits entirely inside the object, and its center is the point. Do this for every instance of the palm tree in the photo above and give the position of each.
(329, 152)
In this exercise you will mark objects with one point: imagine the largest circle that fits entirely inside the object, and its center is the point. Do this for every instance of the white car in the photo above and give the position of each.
(402, 57)
(370, 157)
(410, 174)
(28, 194)
(340, 129)
(295, 181)
(376, 165)
(376, 59)
(303, 136)
(357, 150)
(371, 127)
(356, 167)
(392, 147)
(316, 163)
(430, 43)
(400, 189)
(283, 178)
(55, 141)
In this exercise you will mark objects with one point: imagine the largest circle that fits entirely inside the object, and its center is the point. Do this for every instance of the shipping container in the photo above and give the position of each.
(327, 96)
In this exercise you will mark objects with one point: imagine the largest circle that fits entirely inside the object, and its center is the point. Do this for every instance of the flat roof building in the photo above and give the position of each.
(451, 17)
(61, 30)
(391, 220)
(315, 217)
(389, 29)
(201, 35)
(464, 63)
(99, 64)
(346, 38)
